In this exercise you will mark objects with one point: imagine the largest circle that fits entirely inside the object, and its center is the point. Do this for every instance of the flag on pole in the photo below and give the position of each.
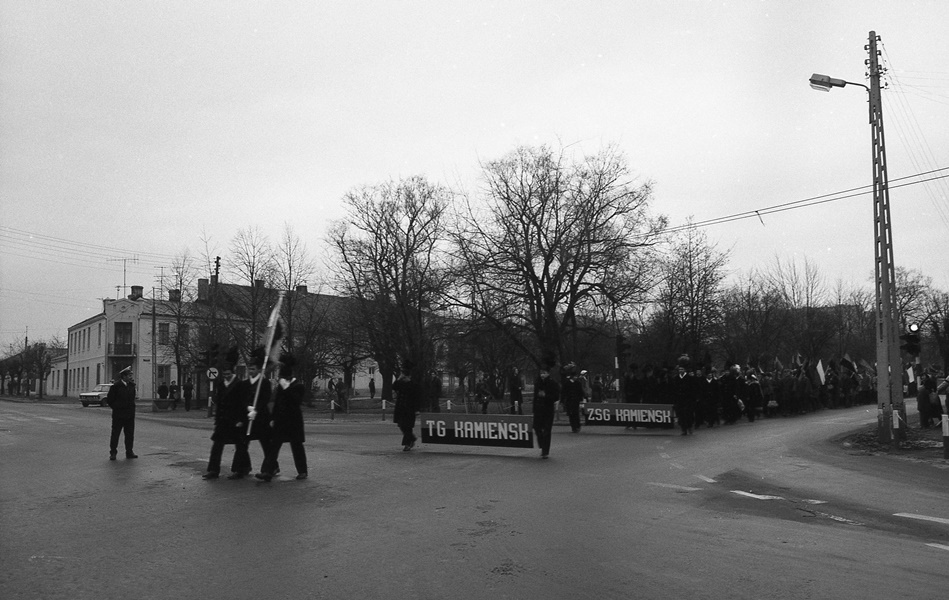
(777, 364)
(866, 365)
(820, 372)
(847, 363)
(272, 339)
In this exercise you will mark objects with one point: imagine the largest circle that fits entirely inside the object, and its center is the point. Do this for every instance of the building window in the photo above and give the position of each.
(164, 337)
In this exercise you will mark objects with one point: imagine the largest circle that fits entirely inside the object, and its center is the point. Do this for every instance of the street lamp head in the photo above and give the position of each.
(823, 83)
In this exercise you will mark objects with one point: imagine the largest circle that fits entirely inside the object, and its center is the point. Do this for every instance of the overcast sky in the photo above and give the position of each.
(132, 129)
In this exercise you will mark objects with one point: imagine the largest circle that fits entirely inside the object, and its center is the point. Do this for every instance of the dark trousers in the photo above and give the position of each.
(187, 402)
(270, 461)
(573, 413)
(241, 462)
(408, 433)
(120, 424)
(543, 426)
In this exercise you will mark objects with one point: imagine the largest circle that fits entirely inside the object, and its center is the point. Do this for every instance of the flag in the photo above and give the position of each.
(777, 364)
(911, 374)
(273, 335)
(847, 363)
(796, 360)
(866, 365)
(820, 372)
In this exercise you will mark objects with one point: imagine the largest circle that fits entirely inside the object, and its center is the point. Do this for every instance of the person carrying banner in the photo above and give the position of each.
(230, 423)
(546, 395)
(257, 386)
(286, 423)
(406, 405)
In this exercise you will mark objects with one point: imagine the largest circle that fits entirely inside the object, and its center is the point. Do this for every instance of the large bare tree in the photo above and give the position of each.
(552, 239)
(388, 255)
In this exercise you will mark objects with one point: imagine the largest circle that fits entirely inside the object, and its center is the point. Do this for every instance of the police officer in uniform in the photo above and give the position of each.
(121, 399)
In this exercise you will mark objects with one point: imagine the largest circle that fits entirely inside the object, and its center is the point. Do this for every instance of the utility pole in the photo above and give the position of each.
(891, 411)
(154, 346)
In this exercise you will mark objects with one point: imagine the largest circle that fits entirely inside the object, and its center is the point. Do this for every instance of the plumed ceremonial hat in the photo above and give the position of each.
(683, 361)
(126, 371)
(287, 363)
(257, 356)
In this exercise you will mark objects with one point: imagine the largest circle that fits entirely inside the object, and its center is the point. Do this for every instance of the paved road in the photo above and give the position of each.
(765, 510)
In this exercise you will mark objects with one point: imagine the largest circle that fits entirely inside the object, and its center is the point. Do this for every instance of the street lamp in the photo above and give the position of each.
(891, 412)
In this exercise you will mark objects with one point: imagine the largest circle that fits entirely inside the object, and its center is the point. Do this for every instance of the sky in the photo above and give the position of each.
(131, 132)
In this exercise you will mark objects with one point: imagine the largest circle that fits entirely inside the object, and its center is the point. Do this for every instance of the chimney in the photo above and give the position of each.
(202, 290)
(174, 295)
(301, 289)
(136, 292)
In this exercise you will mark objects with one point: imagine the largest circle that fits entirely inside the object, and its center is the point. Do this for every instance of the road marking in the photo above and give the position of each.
(706, 479)
(675, 487)
(677, 465)
(756, 496)
(923, 518)
(52, 419)
(663, 455)
(814, 501)
(940, 546)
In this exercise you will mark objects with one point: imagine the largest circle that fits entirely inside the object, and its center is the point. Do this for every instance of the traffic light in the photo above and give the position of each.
(911, 340)
(622, 346)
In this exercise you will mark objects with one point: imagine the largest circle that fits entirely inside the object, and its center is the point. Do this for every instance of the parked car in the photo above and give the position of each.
(95, 396)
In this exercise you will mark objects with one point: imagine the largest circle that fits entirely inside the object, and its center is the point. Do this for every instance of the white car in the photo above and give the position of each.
(95, 396)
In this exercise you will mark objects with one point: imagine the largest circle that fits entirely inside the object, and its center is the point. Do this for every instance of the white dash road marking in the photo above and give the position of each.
(940, 546)
(814, 501)
(672, 486)
(923, 518)
(664, 455)
(756, 496)
(677, 465)
(706, 479)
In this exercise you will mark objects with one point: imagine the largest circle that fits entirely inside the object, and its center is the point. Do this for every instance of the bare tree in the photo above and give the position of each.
(913, 292)
(252, 258)
(293, 269)
(386, 256)
(554, 239)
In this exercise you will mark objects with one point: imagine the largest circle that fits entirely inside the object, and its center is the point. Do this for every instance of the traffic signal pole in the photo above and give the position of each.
(891, 410)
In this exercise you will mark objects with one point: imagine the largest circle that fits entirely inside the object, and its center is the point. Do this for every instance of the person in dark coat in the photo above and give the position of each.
(682, 389)
(230, 422)
(188, 391)
(257, 398)
(572, 395)
(162, 391)
(286, 423)
(174, 395)
(407, 399)
(515, 386)
(121, 399)
(546, 395)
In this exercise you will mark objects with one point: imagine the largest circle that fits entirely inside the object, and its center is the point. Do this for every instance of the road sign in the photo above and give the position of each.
(212, 373)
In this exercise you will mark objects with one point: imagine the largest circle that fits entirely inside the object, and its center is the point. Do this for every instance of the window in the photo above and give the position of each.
(164, 336)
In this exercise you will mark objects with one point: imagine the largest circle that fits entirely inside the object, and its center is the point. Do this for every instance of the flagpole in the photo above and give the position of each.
(271, 329)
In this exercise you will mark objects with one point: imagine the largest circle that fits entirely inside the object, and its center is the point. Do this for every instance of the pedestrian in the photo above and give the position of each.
(188, 390)
(257, 398)
(572, 394)
(515, 386)
(372, 388)
(753, 396)
(230, 422)
(546, 395)
(121, 399)
(173, 394)
(682, 389)
(406, 405)
(482, 394)
(598, 393)
(286, 422)
(162, 391)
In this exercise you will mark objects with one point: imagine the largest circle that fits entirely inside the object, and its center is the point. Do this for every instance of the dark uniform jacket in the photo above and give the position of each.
(121, 399)
(287, 415)
(406, 401)
(546, 395)
(231, 412)
(260, 426)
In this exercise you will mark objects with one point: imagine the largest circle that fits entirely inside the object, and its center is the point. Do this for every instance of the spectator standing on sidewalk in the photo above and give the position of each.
(188, 391)
(174, 394)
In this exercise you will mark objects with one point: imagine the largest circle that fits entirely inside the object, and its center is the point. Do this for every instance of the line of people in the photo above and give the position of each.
(252, 409)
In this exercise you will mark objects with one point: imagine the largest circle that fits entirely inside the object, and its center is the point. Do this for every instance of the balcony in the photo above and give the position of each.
(117, 350)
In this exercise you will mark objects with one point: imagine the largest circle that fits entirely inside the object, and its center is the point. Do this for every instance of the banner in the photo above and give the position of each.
(506, 431)
(628, 415)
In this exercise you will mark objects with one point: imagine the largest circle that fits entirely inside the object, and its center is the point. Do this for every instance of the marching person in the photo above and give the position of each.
(121, 399)
(286, 422)
(546, 395)
(682, 388)
(516, 388)
(572, 394)
(188, 391)
(230, 423)
(406, 405)
(257, 386)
